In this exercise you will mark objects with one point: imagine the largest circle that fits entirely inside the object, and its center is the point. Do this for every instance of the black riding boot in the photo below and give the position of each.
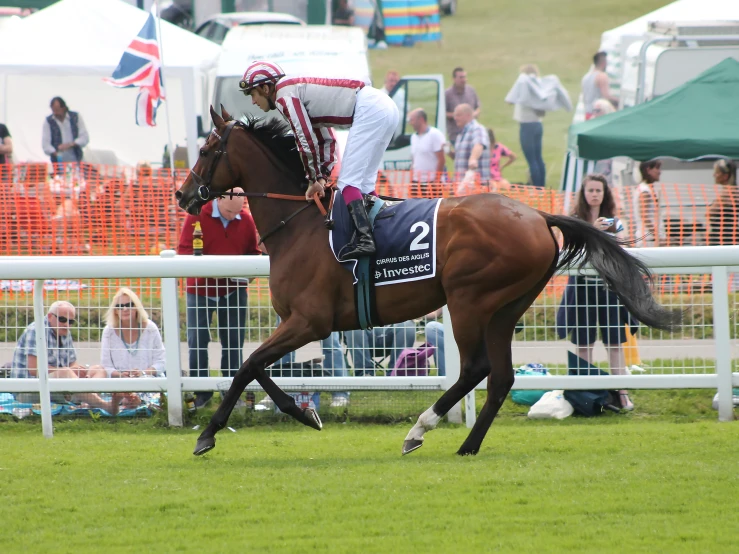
(365, 243)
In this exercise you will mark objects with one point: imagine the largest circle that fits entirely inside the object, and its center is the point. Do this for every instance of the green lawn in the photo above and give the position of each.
(612, 484)
(491, 39)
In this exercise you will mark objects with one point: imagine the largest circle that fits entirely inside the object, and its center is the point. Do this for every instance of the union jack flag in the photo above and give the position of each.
(141, 66)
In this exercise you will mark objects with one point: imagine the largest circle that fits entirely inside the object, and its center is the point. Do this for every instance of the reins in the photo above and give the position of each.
(328, 222)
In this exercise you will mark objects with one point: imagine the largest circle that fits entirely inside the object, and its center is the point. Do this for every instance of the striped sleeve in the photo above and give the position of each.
(326, 149)
(294, 111)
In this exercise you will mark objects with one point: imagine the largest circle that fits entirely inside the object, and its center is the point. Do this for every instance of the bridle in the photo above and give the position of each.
(205, 194)
(203, 191)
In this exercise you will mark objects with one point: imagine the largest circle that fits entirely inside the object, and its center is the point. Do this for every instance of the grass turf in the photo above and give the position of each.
(491, 39)
(626, 483)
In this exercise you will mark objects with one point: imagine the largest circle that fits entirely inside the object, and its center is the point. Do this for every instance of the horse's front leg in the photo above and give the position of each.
(292, 333)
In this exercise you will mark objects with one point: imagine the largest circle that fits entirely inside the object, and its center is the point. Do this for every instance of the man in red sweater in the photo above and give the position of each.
(227, 230)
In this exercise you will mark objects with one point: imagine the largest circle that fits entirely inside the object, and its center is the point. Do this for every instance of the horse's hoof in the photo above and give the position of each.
(204, 445)
(312, 419)
(411, 445)
(462, 452)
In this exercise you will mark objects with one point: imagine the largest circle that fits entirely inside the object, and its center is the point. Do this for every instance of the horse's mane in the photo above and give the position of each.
(277, 136)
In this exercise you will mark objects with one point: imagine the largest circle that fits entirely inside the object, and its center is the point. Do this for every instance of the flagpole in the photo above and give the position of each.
(164, 84)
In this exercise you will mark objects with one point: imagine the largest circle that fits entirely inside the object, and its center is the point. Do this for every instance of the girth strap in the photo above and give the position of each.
(365, 284)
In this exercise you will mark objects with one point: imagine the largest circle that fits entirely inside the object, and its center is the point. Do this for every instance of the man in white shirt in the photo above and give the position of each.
(427, 148)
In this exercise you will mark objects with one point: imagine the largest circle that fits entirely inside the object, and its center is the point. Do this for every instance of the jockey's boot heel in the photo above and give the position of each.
(365, 243)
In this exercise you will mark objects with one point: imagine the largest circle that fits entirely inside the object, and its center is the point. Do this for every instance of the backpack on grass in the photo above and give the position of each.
(413, 361)
(588, 403)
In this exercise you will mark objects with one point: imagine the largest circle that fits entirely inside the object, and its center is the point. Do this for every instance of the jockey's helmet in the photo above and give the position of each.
(260, 73)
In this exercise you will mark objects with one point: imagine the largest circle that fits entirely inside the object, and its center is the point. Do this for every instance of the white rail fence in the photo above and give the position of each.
(717, 262)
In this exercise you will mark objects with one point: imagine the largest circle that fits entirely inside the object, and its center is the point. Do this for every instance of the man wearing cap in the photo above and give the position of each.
(312, 106)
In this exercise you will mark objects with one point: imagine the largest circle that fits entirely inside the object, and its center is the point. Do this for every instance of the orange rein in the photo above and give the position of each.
(316, 198)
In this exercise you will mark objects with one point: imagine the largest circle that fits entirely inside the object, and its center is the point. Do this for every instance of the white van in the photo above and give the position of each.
(318, 50)
(324, 51)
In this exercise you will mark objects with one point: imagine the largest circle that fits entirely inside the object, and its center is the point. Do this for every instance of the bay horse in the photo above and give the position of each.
(494, 256)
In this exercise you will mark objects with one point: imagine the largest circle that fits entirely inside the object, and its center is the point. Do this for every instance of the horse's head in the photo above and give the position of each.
(209, 178)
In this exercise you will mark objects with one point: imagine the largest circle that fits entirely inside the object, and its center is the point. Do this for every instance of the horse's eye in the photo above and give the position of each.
(203, 153)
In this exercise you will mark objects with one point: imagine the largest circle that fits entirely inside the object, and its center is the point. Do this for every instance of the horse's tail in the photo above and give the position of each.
(624, 274)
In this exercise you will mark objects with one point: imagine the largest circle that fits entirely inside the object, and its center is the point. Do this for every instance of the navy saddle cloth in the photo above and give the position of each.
(405, 235)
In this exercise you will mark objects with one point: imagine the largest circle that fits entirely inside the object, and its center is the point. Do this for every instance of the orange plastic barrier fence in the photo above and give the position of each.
(90, 209)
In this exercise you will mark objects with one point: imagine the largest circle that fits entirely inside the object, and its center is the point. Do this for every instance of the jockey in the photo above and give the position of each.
(312, 106)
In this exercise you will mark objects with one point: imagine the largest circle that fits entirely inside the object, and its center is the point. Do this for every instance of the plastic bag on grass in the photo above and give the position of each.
(552, 405)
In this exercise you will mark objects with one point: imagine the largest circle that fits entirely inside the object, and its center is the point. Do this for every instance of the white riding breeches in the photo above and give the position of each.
(375, 120)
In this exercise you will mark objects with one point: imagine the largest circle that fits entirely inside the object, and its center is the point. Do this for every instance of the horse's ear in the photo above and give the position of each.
(217, 119)
(226, 116)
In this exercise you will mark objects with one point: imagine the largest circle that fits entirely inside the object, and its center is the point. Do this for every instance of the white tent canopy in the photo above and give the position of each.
(66, 49)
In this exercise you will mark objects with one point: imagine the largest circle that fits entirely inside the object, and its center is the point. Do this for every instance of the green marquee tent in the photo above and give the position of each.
(697, 119)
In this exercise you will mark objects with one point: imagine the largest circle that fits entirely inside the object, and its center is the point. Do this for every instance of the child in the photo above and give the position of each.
(498, 151)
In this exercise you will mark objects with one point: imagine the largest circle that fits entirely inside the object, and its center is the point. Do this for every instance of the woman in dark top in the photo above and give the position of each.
(588, 304)
(724, 211)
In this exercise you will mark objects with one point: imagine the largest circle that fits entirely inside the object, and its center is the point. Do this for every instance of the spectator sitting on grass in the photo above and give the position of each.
(62, 358)
(131, 344)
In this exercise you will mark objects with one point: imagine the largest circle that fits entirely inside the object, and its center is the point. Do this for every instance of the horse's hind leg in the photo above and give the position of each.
(474, 368)
(498, 339)
(500, 382)
(289, 336)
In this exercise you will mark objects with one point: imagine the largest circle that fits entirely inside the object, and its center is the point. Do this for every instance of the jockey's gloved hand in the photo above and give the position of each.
(316, 188)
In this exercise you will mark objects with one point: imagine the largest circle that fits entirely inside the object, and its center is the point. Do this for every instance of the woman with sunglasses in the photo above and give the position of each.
(131, 345)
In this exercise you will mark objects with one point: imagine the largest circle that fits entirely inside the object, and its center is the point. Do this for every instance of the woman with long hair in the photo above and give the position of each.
(131, 344)
(723, 214)
(589, 304)
(646, 205)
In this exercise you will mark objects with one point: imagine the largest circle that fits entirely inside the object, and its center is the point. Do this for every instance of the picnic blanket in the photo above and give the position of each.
(9, 406)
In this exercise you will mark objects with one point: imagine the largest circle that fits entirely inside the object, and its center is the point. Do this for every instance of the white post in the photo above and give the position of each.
(470, 409)
(720, 290)
(164, 88)
(191, 109)
(42, 358)
(451, 358)
(171, 324)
